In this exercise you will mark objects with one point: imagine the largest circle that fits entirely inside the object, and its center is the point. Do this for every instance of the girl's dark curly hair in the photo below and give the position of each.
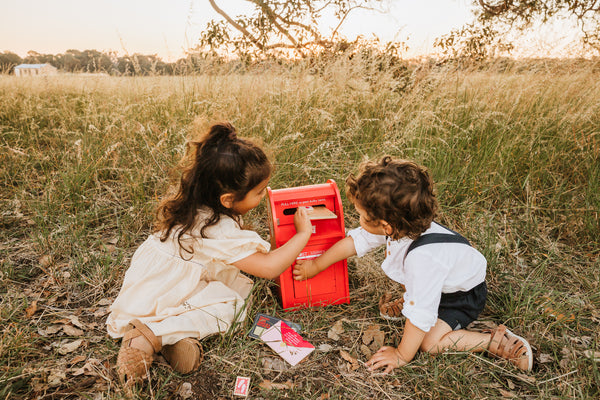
(219, 163)
(399, 192)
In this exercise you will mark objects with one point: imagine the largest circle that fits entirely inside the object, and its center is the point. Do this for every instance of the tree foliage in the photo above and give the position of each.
(495, 18)
(8, 61)
(279, 26)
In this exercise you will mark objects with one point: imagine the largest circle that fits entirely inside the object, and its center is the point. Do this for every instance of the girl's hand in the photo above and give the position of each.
(305, 269)
(388, 357)
(302, 222)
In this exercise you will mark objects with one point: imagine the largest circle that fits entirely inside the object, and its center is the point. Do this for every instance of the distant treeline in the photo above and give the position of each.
(94, 61)
(373, 61)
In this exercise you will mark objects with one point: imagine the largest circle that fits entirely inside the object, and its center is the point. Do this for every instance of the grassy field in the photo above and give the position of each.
(516, 158)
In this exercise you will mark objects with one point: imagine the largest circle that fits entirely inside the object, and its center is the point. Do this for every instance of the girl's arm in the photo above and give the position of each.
(271, 265)
(341, 250)
(391, 357)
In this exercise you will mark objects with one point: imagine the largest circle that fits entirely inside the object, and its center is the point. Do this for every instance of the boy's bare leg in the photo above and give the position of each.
(441, 338)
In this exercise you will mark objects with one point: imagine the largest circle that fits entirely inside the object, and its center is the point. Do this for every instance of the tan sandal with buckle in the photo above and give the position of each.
(507, 345)
(133, 363)
(184, 356)
(391, 309)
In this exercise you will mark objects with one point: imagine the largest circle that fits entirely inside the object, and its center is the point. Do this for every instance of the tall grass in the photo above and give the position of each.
(515, 155)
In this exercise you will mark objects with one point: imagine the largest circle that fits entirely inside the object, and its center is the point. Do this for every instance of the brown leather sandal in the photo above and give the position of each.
(133, 363)
(507, 345)
(184, 356)
(391, 309)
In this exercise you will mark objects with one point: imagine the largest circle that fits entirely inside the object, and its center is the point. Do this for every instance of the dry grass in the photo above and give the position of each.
(515, 155)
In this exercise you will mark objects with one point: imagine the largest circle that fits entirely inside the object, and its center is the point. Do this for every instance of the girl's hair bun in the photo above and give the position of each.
(222, 132)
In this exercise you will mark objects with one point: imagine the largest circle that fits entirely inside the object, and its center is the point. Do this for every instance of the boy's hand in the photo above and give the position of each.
(305, 269)
(302, 222)
(388, 357)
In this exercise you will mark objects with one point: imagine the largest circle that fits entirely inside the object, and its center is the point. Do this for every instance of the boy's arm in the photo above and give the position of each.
(391, 357)
(341, 250)
(271, 265)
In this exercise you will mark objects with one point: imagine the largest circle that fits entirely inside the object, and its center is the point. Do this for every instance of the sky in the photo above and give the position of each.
(169, 27)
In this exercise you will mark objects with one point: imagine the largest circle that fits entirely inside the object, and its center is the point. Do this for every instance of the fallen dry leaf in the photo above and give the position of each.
(75, 321)
(70, 319)
(38, 384)
(366, 351)
(324, 347)
(374, 337)
(595, 355)
(45, 260)
(29, 311)
(77, 359)
(91, 367)
(55, 377)
(101, 312)
(544, 358)
(71, 330)
(353, 361)
(336, 330)
(507, 394)
(526, 378)
(549, 309)
(70, 346)
(266, 384)
(95, 339)
(105, 302)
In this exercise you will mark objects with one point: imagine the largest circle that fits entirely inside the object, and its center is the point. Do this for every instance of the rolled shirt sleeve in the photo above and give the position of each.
(365, 241)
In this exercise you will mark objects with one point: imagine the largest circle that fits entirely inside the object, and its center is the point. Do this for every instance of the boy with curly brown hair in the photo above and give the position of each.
(443, 275)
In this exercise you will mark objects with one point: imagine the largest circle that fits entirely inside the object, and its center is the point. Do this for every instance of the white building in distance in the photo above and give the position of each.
(35, 69)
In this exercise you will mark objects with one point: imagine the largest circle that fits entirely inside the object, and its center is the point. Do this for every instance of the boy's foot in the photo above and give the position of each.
(391, 309)
(137, 352)
(511, 347)
(184, 356)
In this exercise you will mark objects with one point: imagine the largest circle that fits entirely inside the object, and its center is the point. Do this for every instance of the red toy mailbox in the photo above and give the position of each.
(331, 285)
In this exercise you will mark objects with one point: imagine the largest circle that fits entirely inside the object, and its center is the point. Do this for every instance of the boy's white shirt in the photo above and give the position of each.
(427, 271)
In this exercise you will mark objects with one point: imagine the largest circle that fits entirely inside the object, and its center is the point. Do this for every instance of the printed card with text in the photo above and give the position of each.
(287, 343)
(262, 322)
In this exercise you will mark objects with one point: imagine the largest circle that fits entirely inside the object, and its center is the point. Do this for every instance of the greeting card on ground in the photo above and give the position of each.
(262, 322)
(287, 343)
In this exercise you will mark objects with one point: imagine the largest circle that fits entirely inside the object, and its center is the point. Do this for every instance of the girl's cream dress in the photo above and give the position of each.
(178, 294)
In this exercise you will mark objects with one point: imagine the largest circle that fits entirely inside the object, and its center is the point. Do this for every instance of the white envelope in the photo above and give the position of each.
(287, 343)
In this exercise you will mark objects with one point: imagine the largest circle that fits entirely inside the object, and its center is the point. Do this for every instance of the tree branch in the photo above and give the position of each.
(312, 31)
(273, 18)
(237, 26)
(321, 43)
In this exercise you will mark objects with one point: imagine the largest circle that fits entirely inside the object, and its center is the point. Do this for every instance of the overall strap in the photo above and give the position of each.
(431, 238)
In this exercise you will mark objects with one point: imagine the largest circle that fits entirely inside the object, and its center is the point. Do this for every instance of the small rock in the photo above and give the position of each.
(185, 390)
(273, 364)
(324, 347)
